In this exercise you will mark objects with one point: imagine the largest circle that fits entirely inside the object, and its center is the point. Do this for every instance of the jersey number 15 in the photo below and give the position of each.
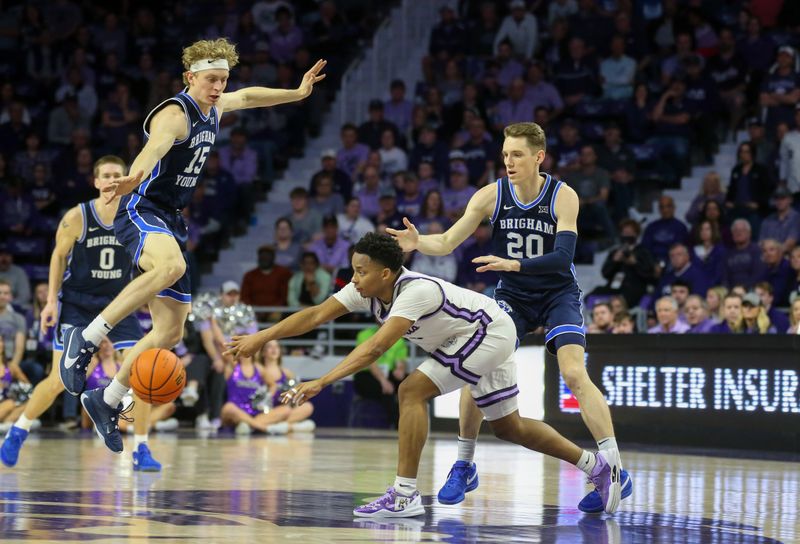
(533, 243)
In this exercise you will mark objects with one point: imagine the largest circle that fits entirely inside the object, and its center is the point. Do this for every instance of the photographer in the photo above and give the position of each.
(629, 267)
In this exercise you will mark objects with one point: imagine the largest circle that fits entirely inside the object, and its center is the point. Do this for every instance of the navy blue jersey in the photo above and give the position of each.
(98, 267)
(526, 231)
(174, 178)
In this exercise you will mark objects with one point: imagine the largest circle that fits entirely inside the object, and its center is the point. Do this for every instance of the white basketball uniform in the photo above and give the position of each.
(469, 338)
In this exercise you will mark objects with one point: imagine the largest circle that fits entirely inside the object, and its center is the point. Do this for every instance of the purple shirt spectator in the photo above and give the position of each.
(781, 229)
(544, 95)
(691, 274)
(333, 256)
(399, 113)
(721, 328)
(661, 234)
(780, 277)
(743, 266)
(513, 111)
(704, 327)
(711, 264)
(348, 159)
(239, 159)
(457, 199)
(466, 269)
(369, 201)
(284, 42)
(679, 327)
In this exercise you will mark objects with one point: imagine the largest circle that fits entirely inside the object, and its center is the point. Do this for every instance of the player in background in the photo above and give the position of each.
(88, 269)
(534, 218)
(179, 134)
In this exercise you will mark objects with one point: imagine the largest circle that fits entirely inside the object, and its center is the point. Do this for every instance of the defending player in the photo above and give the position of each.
(471, 342)
(534, 235)
(179, 134)
(87, 269)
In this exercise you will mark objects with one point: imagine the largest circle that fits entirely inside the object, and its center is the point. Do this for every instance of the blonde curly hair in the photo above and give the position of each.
(220, 48)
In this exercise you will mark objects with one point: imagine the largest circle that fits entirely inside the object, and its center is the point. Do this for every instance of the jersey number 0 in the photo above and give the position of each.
(533, 246)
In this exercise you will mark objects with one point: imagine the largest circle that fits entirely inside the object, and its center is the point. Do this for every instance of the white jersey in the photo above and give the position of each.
(443, 314)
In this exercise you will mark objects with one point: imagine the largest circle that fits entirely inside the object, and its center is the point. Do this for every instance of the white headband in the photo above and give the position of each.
(209, 64)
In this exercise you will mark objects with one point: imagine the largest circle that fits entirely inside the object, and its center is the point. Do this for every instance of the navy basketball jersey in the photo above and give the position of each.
(526, 231)
(174, 178)
(98, 266)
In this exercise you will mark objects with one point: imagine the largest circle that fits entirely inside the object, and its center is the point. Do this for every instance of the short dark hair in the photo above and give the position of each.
(266, 249)
(284, 220)
(298, 192)
(680, 282)
(310, 254)
(381, 248)
(330, 220)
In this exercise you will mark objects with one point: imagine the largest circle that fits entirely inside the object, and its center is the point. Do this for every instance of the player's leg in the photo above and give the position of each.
(6, 407)
(40, 400)
(402, 499)
(463, 476)
(103, 405)
(565, 338)
(232, 416)
(162, 264)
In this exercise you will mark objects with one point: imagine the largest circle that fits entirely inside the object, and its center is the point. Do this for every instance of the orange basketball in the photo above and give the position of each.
(158, 376)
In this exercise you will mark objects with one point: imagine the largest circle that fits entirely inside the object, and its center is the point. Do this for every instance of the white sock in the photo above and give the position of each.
(466, 449)
(609, 443)
(24, 423)
(587, 462)
(405, 486)
(96, 330)
(139, 439)
(112, 395)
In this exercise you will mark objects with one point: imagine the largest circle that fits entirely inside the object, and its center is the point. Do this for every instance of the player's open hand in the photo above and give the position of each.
(312, 76)
(48, 316)
(244, 346)
(298, 394)
(122, 186)
(407, 238)
(492, 263)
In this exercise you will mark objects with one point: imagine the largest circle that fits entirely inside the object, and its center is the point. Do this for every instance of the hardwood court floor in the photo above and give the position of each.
(303, 489)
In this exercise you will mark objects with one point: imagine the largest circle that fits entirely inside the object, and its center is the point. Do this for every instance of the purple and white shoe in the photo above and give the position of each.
(392, 505)
(606, 479)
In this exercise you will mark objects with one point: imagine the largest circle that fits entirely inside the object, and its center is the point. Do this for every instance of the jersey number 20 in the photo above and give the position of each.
(533, 246)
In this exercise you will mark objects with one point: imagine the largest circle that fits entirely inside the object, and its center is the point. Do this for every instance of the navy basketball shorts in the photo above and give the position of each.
(559, 313)
(123, 336)
(136, 219)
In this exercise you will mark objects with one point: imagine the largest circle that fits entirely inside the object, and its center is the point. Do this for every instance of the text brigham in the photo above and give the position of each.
(102, 241)
(519, 223)
(205, 136)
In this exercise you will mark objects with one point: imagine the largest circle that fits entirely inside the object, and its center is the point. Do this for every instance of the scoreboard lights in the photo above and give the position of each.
(699, 388)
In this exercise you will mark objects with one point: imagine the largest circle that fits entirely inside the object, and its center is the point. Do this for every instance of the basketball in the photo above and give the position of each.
(158, 376)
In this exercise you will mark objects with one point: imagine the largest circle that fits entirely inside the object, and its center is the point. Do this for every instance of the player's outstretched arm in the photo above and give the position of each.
(558, 260)
(69, 230)
(480, 206)
(167, 125)
(260, 97)
(296, 324)
(361, 357)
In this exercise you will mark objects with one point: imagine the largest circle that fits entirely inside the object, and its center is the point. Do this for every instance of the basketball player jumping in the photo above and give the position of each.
(179, 134)
(471, 343)
(87, 269)
(534, 235)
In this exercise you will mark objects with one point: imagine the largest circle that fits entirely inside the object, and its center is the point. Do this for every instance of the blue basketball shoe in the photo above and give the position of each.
(592, 503)
(462, 479)
(105, 418)
(9, 451)
(143, 460)
(75, 360)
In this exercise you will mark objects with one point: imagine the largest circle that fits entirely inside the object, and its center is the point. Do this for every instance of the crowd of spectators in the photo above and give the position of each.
(631, 96)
